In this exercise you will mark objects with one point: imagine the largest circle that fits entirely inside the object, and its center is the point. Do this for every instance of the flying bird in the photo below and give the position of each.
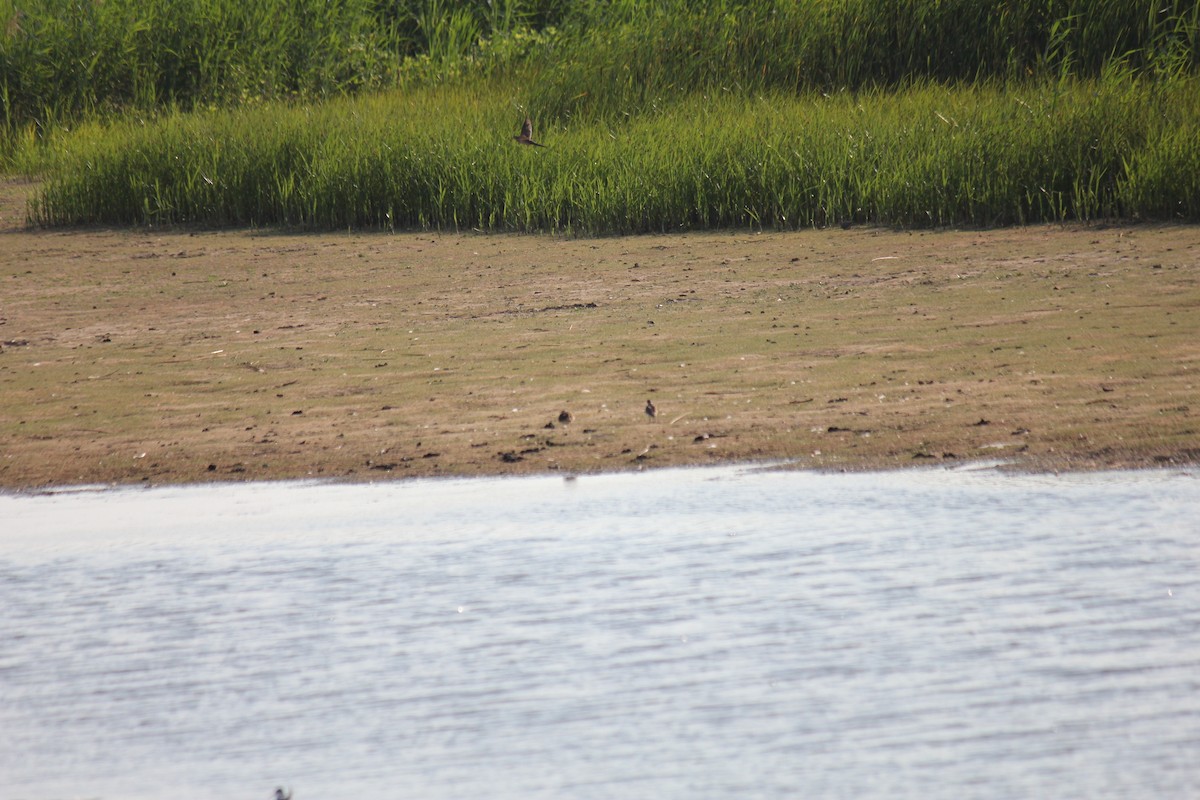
(526, 134)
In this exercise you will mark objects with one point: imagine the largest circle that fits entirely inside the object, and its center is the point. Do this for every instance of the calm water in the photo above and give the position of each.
(708, 633)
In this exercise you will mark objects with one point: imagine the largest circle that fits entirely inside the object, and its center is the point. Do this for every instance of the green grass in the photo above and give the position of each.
(61, 60)
(444, 158)
(662, 116)
(624, 57)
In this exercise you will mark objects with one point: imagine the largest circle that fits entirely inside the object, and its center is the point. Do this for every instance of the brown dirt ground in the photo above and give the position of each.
(173, 355)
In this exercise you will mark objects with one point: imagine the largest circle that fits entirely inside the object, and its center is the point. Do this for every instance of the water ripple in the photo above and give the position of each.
(690, 633)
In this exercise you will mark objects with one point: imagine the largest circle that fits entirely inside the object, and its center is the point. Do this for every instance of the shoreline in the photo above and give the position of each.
(996, 466)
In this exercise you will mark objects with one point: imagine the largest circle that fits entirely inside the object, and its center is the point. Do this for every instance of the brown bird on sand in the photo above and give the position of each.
(565, 417)
(651, 411)
(526, 134)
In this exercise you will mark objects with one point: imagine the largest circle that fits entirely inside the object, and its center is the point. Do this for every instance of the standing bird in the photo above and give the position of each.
(526, 134)
(279, 795)
(651, 411)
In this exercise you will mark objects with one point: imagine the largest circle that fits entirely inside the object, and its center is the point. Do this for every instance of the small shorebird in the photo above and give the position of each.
(279, 795)
(565, 417)
(526, 134)
(651, 411)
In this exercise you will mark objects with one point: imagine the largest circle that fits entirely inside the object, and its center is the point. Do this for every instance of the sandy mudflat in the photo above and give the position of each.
(174, 355)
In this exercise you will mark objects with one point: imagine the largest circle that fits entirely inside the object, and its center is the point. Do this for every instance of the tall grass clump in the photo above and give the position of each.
(925, 155)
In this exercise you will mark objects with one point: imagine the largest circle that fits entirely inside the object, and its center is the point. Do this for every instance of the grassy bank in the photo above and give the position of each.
(660, 116)
(444, 159)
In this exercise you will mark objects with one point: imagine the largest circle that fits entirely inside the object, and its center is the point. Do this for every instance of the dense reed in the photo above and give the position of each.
(661, 116)
(633, 56)
(63, 58)
(60, 59)
(444, 158)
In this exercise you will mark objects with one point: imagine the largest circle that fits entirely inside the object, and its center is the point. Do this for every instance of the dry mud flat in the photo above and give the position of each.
(169, 356)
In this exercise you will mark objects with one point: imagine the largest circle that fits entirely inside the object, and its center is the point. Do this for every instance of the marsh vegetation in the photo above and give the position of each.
(658, 116)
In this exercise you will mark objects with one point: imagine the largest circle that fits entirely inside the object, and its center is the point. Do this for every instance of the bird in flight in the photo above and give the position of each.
(526, 134)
